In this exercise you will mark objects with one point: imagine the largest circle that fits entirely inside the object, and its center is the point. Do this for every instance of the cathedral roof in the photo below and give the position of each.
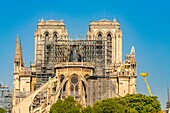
(42, 20)
(104, 20)
(50, 22)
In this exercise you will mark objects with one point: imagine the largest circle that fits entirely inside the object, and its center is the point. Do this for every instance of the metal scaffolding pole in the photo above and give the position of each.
(5, 98)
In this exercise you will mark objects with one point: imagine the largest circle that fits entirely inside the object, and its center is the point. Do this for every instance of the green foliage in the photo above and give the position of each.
(134, 103)
(108, 106)
(69, 105)
(88, 109)
(2, 110)
(143, 103)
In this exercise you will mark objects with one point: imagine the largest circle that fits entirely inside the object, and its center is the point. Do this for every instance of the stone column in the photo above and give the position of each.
(35, 48)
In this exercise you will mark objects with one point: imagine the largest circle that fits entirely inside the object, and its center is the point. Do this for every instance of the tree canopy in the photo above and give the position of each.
(143, 103)
(108, 106)
(131, 103)
(69, 105)
(2, 110)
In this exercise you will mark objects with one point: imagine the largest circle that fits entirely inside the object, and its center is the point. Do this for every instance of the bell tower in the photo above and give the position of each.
(110, 36)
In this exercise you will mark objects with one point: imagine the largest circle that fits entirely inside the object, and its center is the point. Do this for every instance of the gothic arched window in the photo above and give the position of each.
(74, 88)
(61, 78)
(109, 47)
(46, 35)
(109, 35)
(99, 35)
(55, 35)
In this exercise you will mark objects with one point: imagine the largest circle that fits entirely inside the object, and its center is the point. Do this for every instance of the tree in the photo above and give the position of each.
(143, 103)
(123, 102)
(131, 103)
(2, 110)
(108, 106)
(112, 106)
(69, 105)
(88, 109)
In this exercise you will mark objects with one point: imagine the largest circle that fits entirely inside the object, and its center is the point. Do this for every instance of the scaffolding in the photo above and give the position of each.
(5, 98)
(49, 52)
(53, 50)
(104, 88)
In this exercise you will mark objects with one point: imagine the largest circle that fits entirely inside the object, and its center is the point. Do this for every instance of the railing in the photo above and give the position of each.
(81, 64)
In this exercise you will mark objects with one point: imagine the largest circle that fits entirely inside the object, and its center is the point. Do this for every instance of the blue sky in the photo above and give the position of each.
(145, 24)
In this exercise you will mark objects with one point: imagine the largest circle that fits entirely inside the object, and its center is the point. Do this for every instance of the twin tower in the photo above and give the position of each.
(89, 70)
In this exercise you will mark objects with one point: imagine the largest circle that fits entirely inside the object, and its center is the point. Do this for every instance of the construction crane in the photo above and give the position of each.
(145, 74)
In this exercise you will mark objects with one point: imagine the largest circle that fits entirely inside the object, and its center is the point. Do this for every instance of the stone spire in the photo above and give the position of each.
(116, 22)
(18, 53)
(22, 62)
(132, 52)
(17, 50)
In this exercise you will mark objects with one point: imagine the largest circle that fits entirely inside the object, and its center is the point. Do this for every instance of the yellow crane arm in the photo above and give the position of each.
(147, 85)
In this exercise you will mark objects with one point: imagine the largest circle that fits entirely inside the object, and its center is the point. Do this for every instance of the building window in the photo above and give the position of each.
(46, 36)
(55, 35)
(61, 78)
(74, 86)
(74, 79)
(99, 42)
(99, 35)
(109, 38)
(109, 35)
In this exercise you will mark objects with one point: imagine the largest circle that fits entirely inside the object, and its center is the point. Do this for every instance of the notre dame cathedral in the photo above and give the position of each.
(88, 69)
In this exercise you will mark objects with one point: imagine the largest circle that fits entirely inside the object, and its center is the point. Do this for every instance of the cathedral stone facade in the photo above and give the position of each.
(89, 69)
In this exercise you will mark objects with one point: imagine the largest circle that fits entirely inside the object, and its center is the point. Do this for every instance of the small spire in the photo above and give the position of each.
(132, 52)
(22, 62)
(18, 52)
(116, 22)
(42, 20)
(114, 19)
(17, 39)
